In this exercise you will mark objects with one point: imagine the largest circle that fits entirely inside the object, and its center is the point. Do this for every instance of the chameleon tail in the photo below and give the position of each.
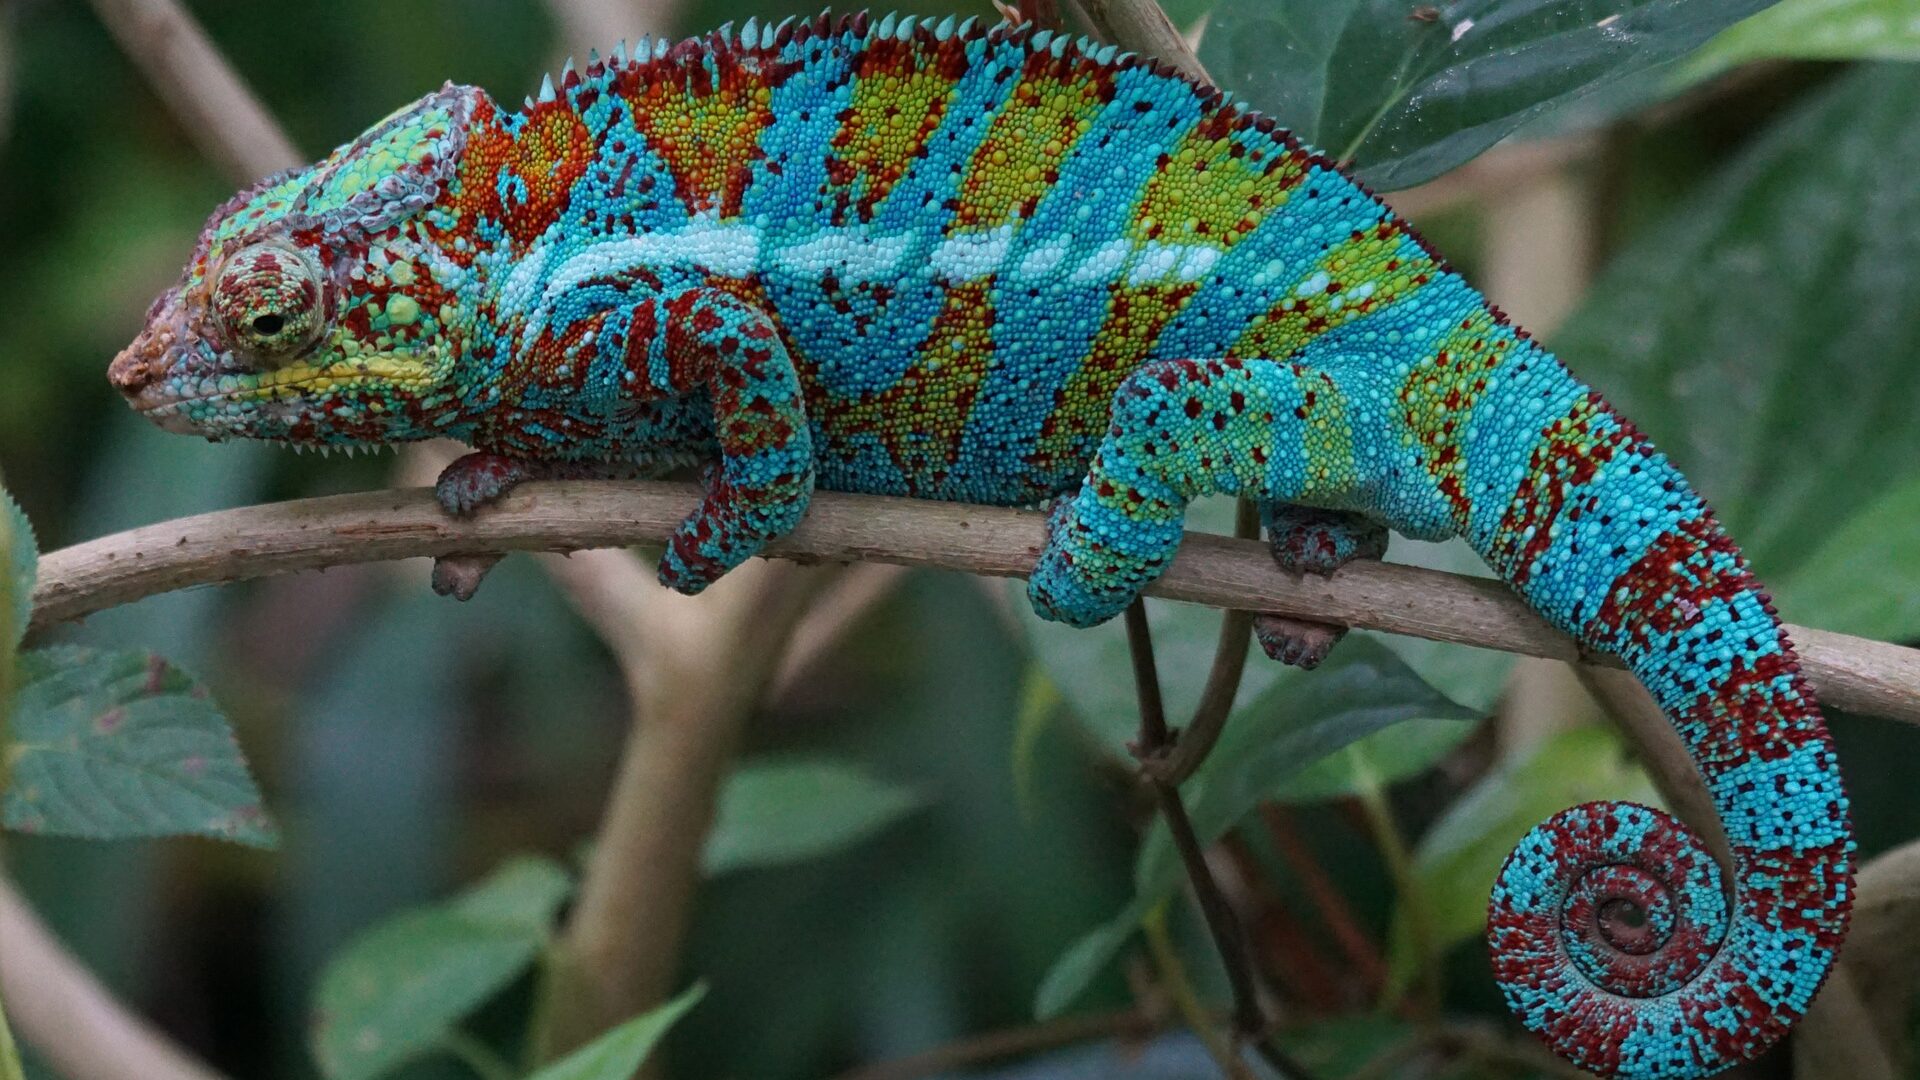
(1615, 936)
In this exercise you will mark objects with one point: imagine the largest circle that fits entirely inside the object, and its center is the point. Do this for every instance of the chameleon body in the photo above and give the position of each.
(1000, 266)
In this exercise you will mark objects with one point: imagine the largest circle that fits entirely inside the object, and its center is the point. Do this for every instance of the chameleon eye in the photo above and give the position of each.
(268, 300)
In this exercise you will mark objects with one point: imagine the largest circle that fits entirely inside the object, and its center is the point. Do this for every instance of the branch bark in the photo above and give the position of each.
(1853, 673)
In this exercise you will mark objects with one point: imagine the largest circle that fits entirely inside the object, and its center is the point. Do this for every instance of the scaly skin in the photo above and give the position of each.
(1000, 266)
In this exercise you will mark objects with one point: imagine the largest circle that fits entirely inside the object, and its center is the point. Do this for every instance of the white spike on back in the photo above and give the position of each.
(885, 29)
(945, 30)
(620, 53)
(750, 32)
(546, 89)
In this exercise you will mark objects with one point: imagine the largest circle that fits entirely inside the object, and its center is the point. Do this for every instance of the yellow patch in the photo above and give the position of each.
(1366, 272)
(1019, 160)
(1135, 317)
(1204, 194)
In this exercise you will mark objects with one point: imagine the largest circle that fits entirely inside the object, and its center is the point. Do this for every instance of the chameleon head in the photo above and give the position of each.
(322, 306)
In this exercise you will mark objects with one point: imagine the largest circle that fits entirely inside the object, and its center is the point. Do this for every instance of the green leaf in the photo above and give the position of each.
(1361, 691)
(1083, 962)
(1865, 579)
(1384, 757)
(1458, 858)
(1406, 99)
(397, 990)
(789, 811)
(1764, 334)
(1812, 30)
(111, 745)
(19, 565)
(619, 1053)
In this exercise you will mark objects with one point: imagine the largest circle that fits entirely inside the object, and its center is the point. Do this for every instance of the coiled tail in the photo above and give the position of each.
(1615, 935)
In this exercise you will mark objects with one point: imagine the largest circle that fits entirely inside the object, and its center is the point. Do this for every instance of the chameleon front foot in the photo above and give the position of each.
(479, 479)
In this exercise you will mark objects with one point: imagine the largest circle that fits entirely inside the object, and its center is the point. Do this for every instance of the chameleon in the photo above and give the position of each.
(1005, 266)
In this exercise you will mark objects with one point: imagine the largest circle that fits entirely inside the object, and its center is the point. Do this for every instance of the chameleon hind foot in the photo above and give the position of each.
(1307, 540)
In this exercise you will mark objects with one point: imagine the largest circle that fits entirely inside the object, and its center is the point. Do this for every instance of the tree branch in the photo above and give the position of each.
(1853, 673)
(63, 1012)
(696, 668)
(212, 103)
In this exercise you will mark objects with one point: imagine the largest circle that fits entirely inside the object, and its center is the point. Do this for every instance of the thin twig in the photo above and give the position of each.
(1406, 885)
(1135, 1023)
(1229, 938)
(1173, 978)
(1852, 673)
(1142, 27)
(1223, 678)
(211, 102)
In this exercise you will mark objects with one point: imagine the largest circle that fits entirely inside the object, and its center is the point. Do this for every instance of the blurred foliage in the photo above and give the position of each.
(916, 844)
(1812, 30)
(1405, 92)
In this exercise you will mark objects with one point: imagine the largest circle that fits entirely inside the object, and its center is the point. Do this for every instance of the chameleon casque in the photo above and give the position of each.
(1000, 266)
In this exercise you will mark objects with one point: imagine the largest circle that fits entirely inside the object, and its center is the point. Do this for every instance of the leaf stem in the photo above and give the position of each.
(1186, 1000)
(10, 1067)
(1406, 882)
(485, 1062)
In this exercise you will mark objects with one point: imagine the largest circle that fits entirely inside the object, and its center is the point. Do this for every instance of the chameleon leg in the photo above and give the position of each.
(719, 345)
(1309, 540)
(1184, 428)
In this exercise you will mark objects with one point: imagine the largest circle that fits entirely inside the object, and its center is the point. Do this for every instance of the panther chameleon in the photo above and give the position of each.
(1003, 266)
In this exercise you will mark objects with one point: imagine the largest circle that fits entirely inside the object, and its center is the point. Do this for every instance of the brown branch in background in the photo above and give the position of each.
(215, 107)
(1852, 673)
(696, 668)
(1336, 911)
(63, 1012)
(1859, 1026)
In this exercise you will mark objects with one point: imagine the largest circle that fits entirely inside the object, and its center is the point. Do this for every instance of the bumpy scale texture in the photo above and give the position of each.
(1000, 266)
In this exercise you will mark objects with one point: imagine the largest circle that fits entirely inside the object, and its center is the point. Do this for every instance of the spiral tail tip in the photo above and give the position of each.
(1610, 930)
